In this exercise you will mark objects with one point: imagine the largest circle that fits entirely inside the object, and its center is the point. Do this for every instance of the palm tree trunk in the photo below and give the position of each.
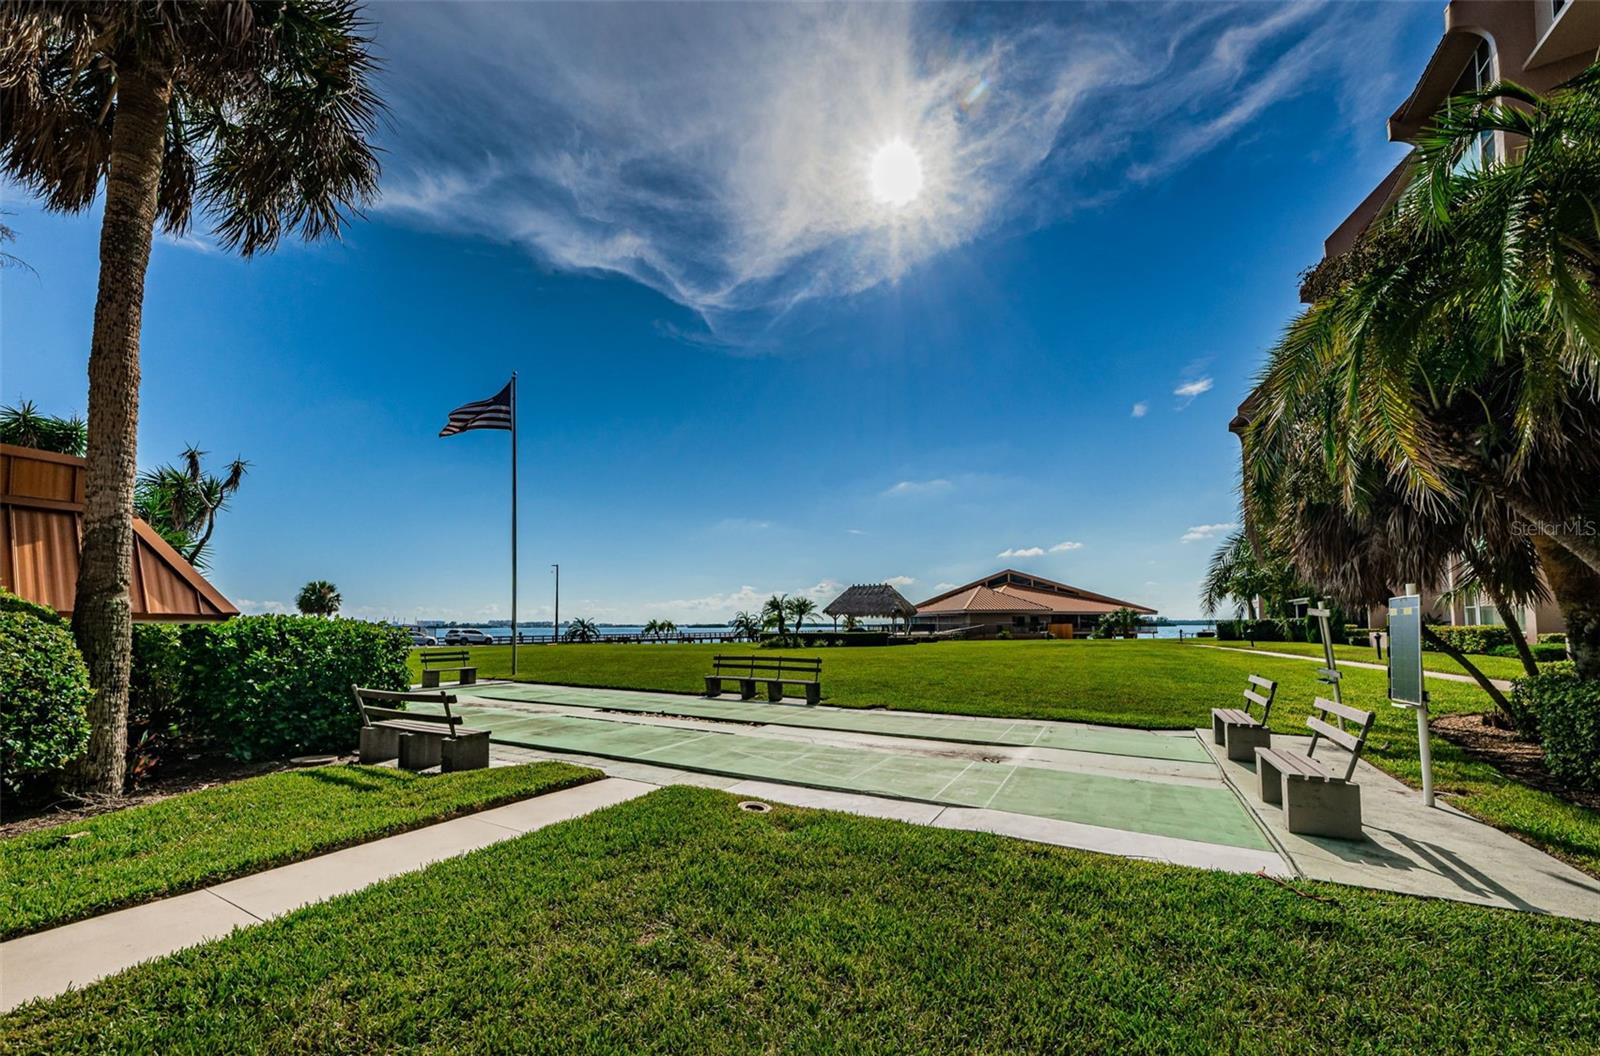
(1576, 587)
(1484, 683)
(101, 613)
(1502, 605)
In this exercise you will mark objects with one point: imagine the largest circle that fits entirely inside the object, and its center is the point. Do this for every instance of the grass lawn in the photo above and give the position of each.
(1506, 667)
(677, 923)
(1151, 684)
(49, 877)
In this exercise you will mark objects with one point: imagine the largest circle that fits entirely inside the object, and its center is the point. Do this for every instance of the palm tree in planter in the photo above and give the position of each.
(745, 625)
(259, 112)
(775, 614)
(318, 598)
(800, 610)
(582, 630)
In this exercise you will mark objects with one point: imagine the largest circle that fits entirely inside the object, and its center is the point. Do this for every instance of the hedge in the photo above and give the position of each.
(1293, 629)
(44, 688)
(263, 687)
(1471, 638)
(1542, 651)
(1568, 710)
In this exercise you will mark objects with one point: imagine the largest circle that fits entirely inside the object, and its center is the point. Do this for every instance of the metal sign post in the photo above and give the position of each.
(1405, 674)
(1329, 672)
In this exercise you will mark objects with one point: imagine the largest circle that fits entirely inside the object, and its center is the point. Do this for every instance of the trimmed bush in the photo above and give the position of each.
(265, 687)
(1542, 651)
(44, 689)
(1568, 708)
(1472, 638)
(9, 602)
(160, 722)
(1554, 636)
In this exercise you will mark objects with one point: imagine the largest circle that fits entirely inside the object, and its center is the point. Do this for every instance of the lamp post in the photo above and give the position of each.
(555, 629)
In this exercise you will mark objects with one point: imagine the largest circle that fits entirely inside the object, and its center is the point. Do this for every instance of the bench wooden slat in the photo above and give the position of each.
(1264, 683)
(1255, 698)
(1295, 763)
(410, 716)
(406, 696)
(1347, 741)
(1355, 715)
(1235, 717)
(446, 659)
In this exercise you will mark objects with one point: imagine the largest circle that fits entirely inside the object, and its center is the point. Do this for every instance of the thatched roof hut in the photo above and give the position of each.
(871, 599)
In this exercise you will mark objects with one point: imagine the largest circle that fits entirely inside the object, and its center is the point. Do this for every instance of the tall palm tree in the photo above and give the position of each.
(319, 598)
(24, 426)
(182, 502)
(775, 614)
(800, 610)
(1456, 350)
(258, 111)
(1242, 572)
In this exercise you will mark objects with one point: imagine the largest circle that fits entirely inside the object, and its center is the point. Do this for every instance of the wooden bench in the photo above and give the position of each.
(418, 739)
(1318, 800)
(448, 660)
(1239, 731)
(776, 672)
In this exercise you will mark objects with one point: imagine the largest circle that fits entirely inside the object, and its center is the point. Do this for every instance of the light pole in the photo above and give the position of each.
(555, 635)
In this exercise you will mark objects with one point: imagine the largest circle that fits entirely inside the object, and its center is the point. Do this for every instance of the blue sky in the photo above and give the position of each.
(741, 374)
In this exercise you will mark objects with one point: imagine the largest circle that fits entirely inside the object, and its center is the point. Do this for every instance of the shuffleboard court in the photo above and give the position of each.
(1022, 733)
(1185, 811)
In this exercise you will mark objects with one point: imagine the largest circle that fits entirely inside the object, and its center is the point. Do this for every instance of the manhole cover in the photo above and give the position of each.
(753, 807)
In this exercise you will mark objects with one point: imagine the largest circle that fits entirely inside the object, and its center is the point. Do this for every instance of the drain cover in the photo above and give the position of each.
(754, 807)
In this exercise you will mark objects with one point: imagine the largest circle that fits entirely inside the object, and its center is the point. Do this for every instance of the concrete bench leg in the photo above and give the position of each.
(470, 751)
(747, 689)
(713, 686)
(430, 680)
(775, 691)
(419, 751)
(1218, 730)
(469, 676)
(1322, 808)
(379, 745)
(1242, 741)
(813, 695)
(1271, 781)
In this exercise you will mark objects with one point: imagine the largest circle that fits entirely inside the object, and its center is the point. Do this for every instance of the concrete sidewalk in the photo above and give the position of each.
(50, 962)
(1442, 676)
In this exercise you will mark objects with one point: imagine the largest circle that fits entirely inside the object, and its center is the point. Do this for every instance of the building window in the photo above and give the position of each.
(1477, 613)
(1556, 7)
(1478, 75)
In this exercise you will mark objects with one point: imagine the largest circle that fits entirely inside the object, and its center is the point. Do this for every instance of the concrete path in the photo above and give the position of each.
(1439, 852)
(75, 955)
(1443, 676)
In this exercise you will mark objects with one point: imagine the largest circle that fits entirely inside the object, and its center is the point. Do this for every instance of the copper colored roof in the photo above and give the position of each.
(1020, 592)
(41, 515)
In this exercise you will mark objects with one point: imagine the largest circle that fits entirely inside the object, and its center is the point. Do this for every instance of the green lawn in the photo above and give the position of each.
(677, 923)
(50, 877)
(1506, 667)
(1151, 684)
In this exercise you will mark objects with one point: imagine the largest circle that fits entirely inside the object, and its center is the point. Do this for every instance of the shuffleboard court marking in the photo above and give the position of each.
(999, 788)
(946, 786)
(1132, 743)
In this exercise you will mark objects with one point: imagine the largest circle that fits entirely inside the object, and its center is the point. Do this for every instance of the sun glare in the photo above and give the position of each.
(896, 173)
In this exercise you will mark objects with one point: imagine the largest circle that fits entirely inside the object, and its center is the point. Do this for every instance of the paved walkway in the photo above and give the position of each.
(1442, 676)
(51, 962)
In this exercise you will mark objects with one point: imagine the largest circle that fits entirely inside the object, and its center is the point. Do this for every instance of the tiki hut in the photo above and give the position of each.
(871, 601)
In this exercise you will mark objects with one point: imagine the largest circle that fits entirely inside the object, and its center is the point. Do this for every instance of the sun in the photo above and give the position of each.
(895, 174)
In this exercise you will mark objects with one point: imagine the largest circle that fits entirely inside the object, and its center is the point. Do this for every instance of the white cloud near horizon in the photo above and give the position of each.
(717, 153)
(936, 486)
(1206, 531)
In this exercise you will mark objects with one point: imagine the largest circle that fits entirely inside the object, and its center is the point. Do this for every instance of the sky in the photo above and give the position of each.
(741, 371)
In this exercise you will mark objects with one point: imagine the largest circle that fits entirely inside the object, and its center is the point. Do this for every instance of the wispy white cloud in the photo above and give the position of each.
(718, 153)
(855, 531)
(1022, 551)
(1192, 389)
(1065, 546)
(742, 524)
(720, 606)
(1141, 409)
(936, 486)
(945, 586)
(900, 581)
(1206, 531)
(262, 608)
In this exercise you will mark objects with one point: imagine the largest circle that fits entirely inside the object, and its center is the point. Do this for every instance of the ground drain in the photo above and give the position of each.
(755, 808)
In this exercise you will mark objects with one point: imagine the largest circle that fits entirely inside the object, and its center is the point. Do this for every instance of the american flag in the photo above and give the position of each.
(493, 413)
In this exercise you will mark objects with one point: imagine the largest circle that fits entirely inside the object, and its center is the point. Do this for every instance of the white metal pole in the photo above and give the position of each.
(1424, 749)
(513, 523)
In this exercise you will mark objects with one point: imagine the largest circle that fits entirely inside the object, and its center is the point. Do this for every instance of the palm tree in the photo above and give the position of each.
(746, 625)
(182, 502)
(800, 610)
(24, 426)
(651, 629)
(582, 630)
(318, 598)
(1255, 584)
(775, 614)
(260, 113)
(1456, 350)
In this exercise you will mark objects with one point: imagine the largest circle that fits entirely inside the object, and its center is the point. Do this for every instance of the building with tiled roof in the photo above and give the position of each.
(1019, 602)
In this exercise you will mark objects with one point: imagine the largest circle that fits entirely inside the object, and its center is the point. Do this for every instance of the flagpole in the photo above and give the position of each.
(513, 523)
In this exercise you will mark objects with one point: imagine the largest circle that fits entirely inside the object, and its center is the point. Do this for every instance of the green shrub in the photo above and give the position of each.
(1542, 651)
(9, 602)
(1229, 630)
(160, 721)
(44, 691)
(1472, 638)
(270, 686)
(1559, 637)
(1568, 710)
